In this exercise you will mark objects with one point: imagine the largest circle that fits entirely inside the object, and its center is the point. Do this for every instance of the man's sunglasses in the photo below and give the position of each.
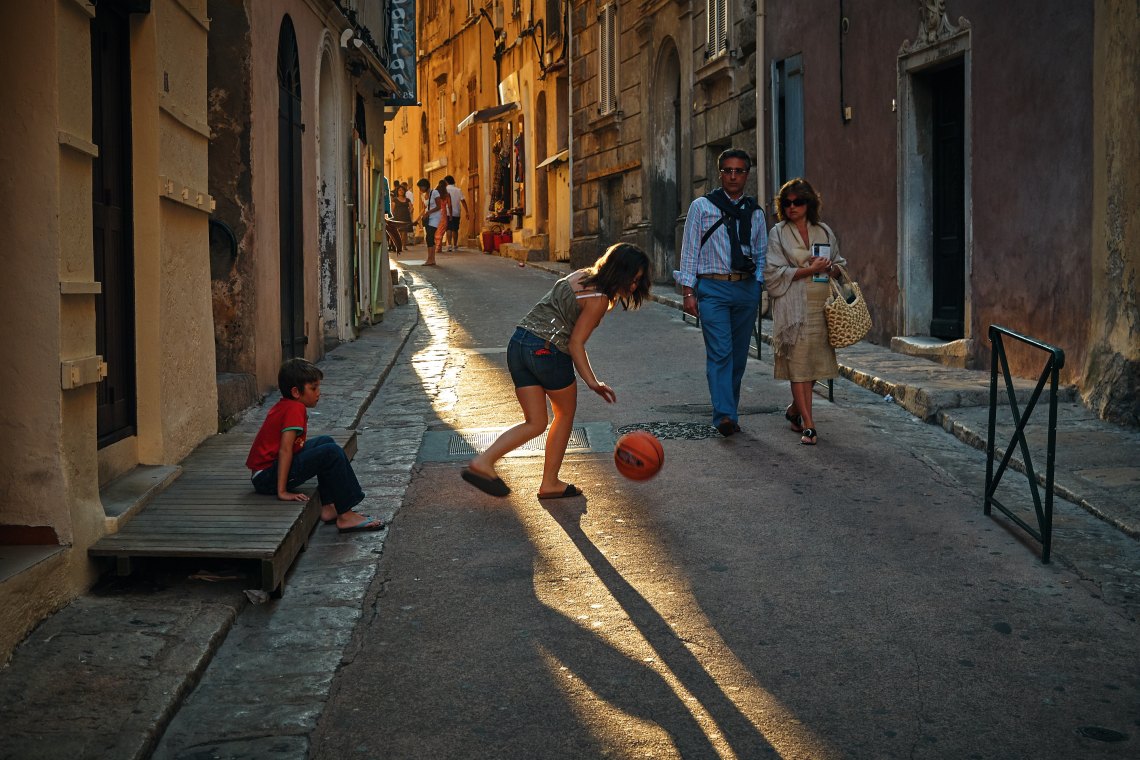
(733, 170)
(794, 202)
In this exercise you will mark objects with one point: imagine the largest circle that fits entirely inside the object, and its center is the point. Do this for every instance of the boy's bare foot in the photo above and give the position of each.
(328, 513)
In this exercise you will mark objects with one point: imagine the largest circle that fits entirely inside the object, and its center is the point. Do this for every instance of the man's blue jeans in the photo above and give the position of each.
(324, 458)
(728, 316)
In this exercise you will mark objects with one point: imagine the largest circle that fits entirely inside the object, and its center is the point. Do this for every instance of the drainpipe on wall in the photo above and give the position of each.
(570, 113)
(761, 81)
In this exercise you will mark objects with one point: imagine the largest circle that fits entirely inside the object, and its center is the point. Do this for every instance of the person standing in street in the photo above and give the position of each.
(799, 274)
(722, 268)
(457, 199)
(549, 344)
(430, 218)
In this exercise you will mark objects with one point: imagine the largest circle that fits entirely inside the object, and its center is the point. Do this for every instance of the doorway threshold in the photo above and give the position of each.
(951, 353)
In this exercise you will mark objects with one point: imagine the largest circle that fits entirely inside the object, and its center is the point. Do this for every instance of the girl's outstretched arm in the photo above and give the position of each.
(590, 313)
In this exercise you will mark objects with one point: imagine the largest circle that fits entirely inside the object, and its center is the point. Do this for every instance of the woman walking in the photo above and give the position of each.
(797, 283)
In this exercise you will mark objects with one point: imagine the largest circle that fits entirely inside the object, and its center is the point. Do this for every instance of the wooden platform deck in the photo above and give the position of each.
(212, 512)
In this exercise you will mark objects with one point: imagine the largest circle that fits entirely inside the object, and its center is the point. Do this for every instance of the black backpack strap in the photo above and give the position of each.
(708, 233)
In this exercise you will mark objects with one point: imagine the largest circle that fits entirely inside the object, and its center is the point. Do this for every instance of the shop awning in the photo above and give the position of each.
(561, 155)
(494, 113)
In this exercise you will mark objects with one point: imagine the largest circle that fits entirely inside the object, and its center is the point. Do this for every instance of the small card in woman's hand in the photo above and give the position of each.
(824, 250)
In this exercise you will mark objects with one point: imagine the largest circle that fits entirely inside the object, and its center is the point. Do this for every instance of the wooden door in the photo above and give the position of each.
(948, 204)
(111, 222)
(289, 131)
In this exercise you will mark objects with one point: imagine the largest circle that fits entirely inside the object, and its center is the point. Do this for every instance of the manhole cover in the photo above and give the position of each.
(685, 431)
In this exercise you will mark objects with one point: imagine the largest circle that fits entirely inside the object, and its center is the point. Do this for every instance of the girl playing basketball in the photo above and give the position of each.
(548, 345)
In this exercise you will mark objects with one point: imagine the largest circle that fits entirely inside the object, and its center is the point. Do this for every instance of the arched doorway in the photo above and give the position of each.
(289, 127)
(664, 144)
(542, 178)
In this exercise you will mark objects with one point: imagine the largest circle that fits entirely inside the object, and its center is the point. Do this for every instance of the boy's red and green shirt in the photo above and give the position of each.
(286, 414)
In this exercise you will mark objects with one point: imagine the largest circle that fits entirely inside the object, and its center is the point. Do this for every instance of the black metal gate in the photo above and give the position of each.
(111, 221)
(293, 338)
(949, 182)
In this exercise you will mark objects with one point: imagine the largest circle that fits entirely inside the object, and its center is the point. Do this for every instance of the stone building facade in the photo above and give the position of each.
(141, 147)
(493, 114)
(110, 361)
(973, 173)
(297, 119)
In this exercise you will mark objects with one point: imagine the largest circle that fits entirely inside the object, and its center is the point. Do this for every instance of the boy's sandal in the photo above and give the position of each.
(796, 420)
(368, 524)
(808, 438)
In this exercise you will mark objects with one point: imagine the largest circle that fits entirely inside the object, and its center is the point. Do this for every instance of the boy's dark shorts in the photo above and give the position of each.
(453, 224)
(533, 361)
(429, 235)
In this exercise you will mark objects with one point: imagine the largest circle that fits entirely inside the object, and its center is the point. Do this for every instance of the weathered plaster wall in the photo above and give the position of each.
(265, 28)
(1030, 134)
(177, 405)
(852, 166)
(49, 483)
(228, 107)
(1032, 168)
(1112, 377)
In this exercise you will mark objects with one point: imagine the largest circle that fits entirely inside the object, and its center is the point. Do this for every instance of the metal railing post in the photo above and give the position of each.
(1044, 512)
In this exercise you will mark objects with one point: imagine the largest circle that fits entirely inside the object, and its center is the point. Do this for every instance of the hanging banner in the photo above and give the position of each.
(402, 52)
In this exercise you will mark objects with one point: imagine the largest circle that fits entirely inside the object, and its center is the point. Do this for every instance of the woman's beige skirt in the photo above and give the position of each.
(812, 357)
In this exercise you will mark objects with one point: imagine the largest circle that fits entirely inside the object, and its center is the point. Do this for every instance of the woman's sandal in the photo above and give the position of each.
(808, 438)
(796, 420)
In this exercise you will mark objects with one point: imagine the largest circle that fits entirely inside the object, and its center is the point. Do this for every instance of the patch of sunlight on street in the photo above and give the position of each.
(595, 604)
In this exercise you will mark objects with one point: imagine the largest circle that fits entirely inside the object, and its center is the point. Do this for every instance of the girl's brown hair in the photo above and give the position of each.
(614, 274)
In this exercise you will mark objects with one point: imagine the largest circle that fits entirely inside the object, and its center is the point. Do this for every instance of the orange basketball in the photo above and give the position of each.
(638, 455)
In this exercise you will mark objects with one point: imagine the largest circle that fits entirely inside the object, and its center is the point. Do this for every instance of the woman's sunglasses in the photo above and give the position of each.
(794, 202)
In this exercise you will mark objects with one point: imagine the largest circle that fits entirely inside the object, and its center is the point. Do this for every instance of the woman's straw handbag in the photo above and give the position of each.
(848, 320)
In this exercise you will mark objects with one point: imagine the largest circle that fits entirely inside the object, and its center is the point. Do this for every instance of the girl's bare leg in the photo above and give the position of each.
(564, 403)
(532, 399)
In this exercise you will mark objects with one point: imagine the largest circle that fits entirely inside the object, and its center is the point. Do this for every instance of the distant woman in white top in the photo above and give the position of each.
(548, 345)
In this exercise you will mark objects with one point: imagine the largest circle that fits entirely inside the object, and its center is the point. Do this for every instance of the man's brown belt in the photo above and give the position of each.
(731, 277)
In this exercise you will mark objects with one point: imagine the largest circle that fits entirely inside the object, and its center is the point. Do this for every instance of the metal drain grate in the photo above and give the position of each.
(690, 431)
(473, 442)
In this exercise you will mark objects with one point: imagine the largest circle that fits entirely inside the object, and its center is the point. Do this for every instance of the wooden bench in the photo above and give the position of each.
(212, 512)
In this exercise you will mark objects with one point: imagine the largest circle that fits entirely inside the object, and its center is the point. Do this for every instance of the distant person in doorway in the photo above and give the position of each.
(721, 275)
(430, 218)
(798, 284)
(457, 200)
(549, 344)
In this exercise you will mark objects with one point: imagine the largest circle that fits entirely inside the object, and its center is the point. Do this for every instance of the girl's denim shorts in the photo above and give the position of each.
(533, 361)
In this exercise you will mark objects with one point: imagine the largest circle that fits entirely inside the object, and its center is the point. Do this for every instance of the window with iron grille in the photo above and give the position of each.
(607, 59)
(716, 24)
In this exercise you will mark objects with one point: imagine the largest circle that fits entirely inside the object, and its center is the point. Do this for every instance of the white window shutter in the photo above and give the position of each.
(607, 58)
(716, 27)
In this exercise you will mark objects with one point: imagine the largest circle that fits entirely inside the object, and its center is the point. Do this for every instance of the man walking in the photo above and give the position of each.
(457, 200)
(722, 265)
